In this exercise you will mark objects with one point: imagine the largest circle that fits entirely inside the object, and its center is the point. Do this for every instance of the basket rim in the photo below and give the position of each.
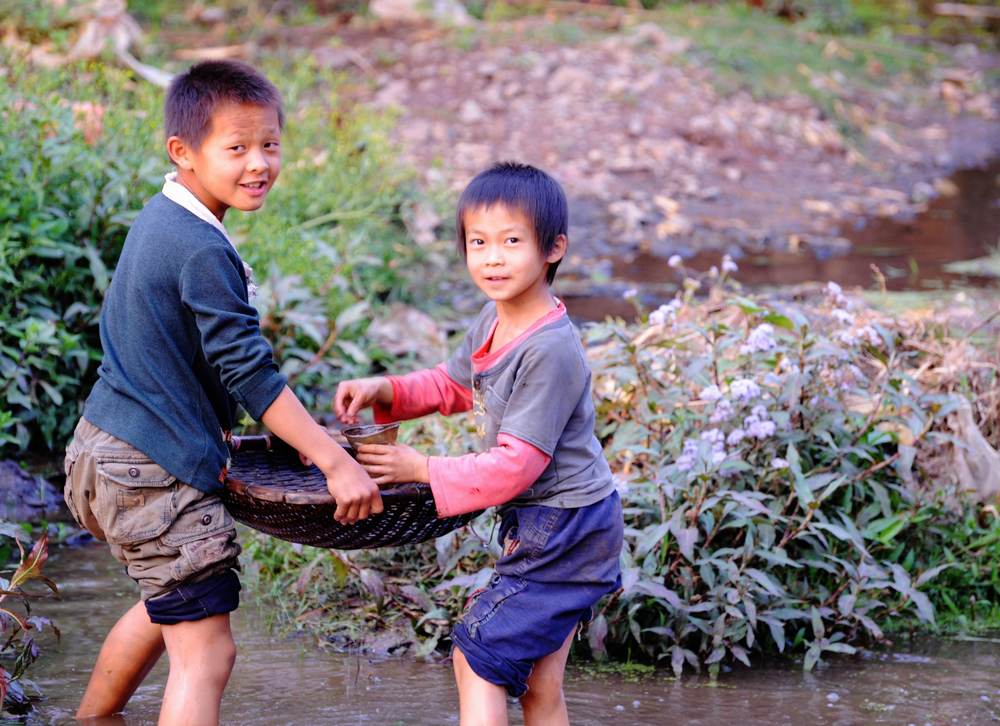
(408, 491)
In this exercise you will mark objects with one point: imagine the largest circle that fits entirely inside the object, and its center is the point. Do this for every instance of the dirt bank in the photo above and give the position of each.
(627, 111)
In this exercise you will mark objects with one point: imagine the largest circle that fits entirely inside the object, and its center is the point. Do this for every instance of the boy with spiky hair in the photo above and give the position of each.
(523, 372)
(182, 347)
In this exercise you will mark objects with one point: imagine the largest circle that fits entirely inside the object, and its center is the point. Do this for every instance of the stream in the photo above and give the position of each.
(288, 679)
(915, 254)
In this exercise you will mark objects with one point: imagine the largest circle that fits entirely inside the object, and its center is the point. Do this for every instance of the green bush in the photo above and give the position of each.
(77, 158)
(765, 453)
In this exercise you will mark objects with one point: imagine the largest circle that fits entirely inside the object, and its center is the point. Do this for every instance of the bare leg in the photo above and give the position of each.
(202, 653)
(543, 703)
(130, 650)
(480, 703)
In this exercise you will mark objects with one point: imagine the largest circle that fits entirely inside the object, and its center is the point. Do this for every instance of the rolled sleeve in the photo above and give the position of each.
(260, 391)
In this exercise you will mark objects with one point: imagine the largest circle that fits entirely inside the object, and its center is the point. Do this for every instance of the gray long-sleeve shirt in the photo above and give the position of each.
(540, 393)
(182, 346)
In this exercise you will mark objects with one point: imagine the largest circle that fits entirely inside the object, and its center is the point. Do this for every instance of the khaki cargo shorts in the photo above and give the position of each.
(165, 532)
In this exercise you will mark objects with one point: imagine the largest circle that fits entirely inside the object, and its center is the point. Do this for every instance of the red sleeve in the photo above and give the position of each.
(422, 392)
(475, 481)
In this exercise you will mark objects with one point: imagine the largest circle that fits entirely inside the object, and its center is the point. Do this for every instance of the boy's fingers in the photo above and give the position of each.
(338, 400)
(363, 508)
(355, 406)
(376, 507)
(346, 513)
(375, 449)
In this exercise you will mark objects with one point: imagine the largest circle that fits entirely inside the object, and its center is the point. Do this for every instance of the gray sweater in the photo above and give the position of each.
(182, 346)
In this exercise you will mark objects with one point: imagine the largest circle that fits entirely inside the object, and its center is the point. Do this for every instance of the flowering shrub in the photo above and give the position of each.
(762, 451)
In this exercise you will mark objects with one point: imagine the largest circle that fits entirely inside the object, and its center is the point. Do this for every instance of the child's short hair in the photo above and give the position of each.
(194, 95)
(520, 186)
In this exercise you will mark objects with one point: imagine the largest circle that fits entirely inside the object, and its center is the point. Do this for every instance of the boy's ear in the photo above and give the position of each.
(558, 249)
(179, 153)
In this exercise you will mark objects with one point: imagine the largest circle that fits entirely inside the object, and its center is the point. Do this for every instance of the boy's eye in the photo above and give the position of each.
(271, 145)
(238, 147)
(475, 242)
(512, 240)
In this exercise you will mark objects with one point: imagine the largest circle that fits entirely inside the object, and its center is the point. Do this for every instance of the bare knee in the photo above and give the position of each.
(203, 648)
(545, 691)
(221, 652)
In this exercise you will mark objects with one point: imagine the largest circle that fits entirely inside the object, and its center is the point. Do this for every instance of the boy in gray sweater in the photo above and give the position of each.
(522, 371)
(182, 347)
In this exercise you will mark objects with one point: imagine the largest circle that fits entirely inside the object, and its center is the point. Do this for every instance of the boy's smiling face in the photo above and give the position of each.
(503, 254)
(237, 161)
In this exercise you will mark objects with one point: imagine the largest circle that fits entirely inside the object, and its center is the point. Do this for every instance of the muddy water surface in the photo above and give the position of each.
(288, 680)
(911, 254)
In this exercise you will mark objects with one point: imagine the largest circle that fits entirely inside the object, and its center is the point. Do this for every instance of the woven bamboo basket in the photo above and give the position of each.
(269, 489)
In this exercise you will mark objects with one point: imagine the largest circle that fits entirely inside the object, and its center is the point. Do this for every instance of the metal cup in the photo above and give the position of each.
(371, 434)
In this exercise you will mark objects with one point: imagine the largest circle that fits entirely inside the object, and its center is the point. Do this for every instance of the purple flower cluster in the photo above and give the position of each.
(760, 340)
(758, 425)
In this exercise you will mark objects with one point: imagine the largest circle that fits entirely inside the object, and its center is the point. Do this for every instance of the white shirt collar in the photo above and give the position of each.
(180, 194)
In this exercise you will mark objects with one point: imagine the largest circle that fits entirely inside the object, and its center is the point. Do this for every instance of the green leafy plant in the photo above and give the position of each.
(19, 649)
(765, 453)
(77, 159)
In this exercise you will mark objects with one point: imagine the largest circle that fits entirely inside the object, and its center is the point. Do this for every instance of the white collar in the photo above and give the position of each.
(177, 192)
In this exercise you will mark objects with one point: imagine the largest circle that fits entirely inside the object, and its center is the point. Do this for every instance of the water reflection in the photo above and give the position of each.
(911, 254)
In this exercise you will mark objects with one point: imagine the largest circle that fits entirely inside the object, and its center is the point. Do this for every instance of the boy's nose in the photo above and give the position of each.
(256, 162)
(494, 256)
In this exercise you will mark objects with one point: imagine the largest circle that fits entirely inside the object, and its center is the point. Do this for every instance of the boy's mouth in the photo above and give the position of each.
(255, 189)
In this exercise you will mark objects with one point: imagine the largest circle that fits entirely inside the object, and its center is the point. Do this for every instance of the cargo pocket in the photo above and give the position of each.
(134, 500)
(72, 454)
(204, 535)
(489, 603)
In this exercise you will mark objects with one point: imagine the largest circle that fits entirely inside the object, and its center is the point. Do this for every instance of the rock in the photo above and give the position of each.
(650, 34)
(470, 112)
(404, 329)
(393, 93)
(27, 498)
(449, 12)
(421, 222)
(487, 69)
(492, 98)
(567, 79)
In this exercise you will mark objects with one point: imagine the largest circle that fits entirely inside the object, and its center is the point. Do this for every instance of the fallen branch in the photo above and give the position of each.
(976, 13)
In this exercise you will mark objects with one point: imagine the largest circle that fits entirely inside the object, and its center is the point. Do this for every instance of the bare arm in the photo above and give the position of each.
(356, 494)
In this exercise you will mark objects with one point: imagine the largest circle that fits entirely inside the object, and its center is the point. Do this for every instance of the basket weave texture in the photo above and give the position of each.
(269, 489)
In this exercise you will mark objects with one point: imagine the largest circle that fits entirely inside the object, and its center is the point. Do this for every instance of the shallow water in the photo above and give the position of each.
(289, 680)
(912, 254)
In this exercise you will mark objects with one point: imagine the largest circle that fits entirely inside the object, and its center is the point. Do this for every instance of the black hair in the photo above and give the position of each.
(194, 95)
(525, 188)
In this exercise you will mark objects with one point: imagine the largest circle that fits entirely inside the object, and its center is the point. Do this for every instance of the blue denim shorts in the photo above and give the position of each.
(556, 564)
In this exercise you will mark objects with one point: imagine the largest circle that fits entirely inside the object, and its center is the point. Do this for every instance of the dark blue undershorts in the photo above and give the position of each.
(215, 595)
(556, 564)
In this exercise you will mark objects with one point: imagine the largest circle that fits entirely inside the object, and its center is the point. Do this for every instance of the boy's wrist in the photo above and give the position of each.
(385, 393)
